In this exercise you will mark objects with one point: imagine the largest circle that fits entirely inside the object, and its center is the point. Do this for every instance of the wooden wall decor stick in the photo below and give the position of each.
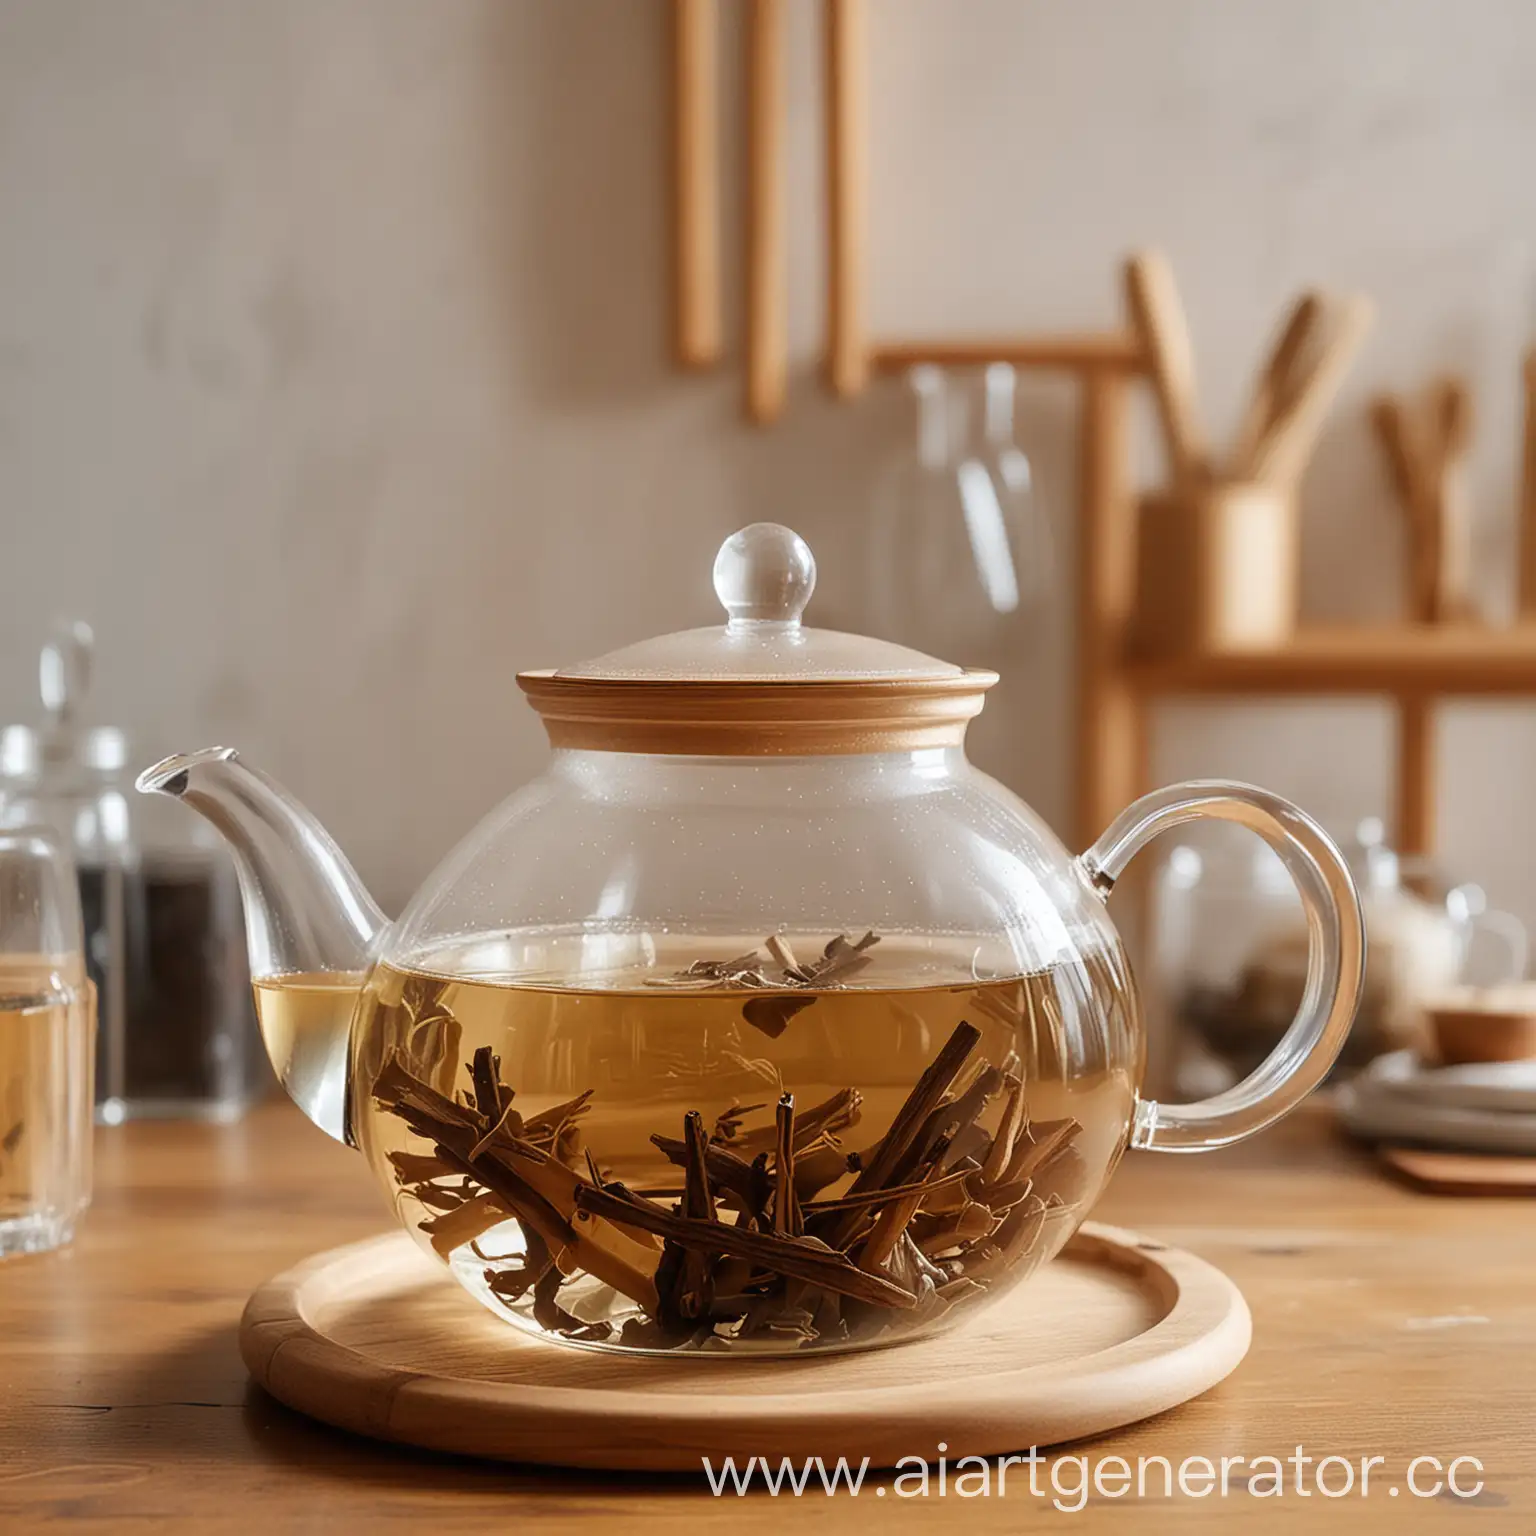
(1273, 385)
(696, 181)
(1157, 317)
(767, 296)
(1527, 590)
(847, 206)
(1293, 432)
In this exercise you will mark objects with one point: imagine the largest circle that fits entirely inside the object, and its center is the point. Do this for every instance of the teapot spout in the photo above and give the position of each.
(309, 920)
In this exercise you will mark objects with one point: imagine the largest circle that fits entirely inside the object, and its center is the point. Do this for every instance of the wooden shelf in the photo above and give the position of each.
(1402, 660)
(1117, 351)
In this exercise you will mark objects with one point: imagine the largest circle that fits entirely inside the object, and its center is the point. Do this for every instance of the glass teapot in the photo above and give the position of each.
(761, 1021)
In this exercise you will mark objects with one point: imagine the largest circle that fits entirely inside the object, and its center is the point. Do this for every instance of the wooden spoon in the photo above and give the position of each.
(1157, 316)
(1275, 382)
(1293, 432)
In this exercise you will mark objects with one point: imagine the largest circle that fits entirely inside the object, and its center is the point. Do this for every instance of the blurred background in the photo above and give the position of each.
(336, 386)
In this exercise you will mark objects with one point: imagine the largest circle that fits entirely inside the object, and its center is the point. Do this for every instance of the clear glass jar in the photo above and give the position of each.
(160, 904)
(1230, 940)
(47, 1025)
(761, 1021)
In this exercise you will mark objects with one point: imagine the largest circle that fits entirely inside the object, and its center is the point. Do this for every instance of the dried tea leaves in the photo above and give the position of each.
(791, 986)
(749, 1247)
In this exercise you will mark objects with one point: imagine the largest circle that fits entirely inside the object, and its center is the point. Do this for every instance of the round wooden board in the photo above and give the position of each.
(377, 1338)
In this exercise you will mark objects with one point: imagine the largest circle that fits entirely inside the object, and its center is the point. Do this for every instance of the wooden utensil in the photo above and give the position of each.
(1452, 402)
(1403, 456)
(1453, 414)
(1157, 317)
(1274, 383)
(767, 293)
(1426, 453)
(696, 181)
(1292, 434)
(1410, 477)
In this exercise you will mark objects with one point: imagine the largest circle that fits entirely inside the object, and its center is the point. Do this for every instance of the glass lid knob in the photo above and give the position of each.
(764, 575)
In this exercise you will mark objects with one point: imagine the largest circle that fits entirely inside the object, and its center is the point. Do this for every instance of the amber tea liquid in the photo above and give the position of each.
(648, 1054)
(47, 1051)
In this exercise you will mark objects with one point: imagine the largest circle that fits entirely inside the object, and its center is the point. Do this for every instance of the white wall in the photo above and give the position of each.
(333, 351)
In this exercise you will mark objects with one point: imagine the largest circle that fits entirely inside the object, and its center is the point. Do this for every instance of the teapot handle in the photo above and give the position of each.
(1335, 957)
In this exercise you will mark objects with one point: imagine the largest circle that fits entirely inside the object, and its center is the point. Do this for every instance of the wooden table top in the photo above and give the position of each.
(1386, 1323)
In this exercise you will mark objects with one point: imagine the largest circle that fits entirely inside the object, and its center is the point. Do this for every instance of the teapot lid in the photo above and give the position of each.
(762, 682)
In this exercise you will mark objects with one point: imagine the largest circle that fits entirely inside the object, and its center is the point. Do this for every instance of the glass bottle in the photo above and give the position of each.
(958, 550)
(1026, 577)
(177, 1033)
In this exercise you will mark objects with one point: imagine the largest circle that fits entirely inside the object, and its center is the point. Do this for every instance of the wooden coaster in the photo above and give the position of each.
(1461, 1173)
(377, 1338)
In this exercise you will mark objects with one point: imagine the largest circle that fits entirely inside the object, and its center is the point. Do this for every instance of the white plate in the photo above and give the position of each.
(1508, 1086)
(1471, 1108)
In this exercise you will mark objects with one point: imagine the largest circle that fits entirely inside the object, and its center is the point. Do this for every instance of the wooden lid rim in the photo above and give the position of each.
(758, 718)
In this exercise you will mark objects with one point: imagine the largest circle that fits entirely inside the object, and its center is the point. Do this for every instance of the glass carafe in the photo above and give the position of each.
(177, 1033)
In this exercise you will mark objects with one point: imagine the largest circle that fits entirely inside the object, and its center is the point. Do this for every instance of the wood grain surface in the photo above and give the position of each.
(1462, 1173)
(1471, 660)
(1386, 1322)
(378, 1338)
(1088, 352)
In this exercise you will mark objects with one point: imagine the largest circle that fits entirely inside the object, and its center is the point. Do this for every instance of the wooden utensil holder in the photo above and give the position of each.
(1217, 568)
